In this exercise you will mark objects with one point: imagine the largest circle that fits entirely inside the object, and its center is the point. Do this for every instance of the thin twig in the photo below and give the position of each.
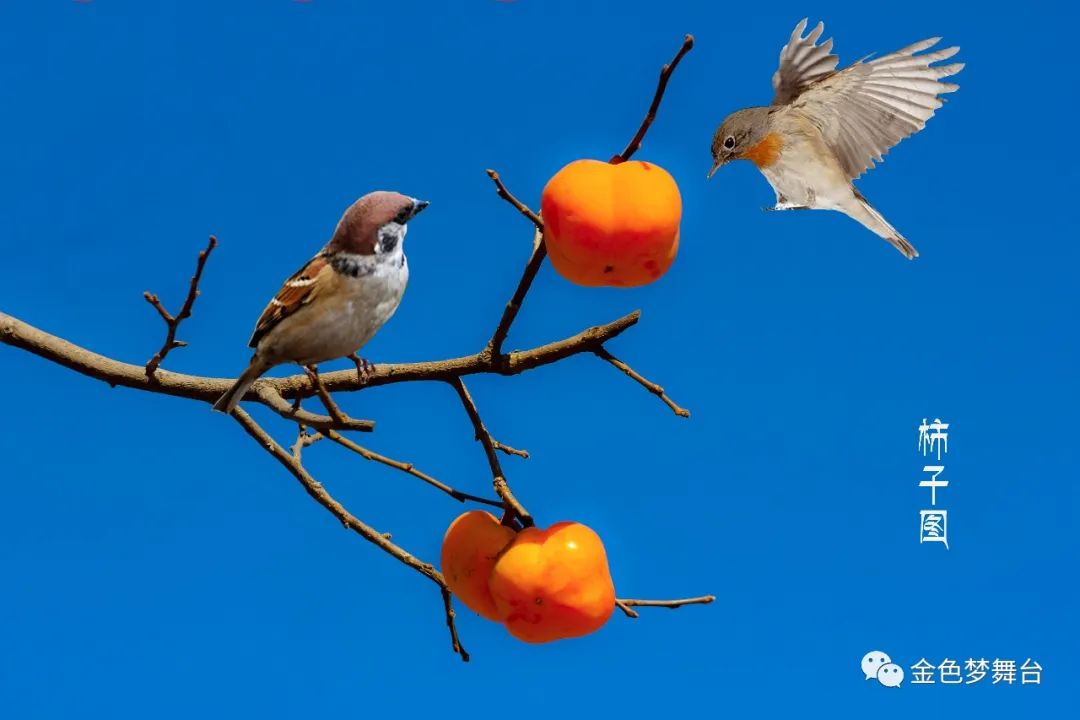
(455, 641)
(661, 85)
(173, 323)
(408, 468)
(317, 492)
(508, 197)
(501, 447)
(536, 259)
(601, 352)
(627, 605)
(498, 478)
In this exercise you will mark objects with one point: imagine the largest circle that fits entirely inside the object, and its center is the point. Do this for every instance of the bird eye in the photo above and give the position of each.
(729, 142)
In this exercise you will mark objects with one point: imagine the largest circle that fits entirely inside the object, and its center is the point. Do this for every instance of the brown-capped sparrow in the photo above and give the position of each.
(340, 298)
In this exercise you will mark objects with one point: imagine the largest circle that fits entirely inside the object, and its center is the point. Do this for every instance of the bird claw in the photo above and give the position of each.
(312, 372)
(364, 369)
(784, 206)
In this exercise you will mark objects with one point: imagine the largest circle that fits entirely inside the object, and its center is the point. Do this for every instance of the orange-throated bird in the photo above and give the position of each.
(826, 128)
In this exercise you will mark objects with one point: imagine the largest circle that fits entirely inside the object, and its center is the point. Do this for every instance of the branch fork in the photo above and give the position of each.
(172, 322)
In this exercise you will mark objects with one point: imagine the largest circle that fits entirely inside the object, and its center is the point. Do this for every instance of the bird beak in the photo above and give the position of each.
(418, 207)
(715, 167)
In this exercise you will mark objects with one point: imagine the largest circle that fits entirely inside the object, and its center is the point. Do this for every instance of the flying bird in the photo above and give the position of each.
(334, 304)
(825, 127)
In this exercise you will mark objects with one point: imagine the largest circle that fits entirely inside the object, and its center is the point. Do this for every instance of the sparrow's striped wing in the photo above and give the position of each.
(802, 63)
(866, 109)
(298, 290)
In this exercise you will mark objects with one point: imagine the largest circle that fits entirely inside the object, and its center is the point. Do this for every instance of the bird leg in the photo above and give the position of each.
(785, 206)
(782, 203)
(364, 369)
(312, 372)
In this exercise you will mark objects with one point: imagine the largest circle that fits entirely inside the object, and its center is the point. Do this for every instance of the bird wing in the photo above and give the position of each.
(802, 63)
(300, 289)
(866, 109)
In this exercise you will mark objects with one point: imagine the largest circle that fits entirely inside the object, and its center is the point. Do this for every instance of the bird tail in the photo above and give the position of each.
(859, 208)
(228, 402)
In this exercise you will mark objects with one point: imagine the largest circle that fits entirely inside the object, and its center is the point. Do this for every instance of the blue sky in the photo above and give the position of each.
(154, 561)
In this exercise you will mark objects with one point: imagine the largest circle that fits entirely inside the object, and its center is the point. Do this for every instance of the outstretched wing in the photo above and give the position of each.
(866, 109)
(299, 290)
(802, 63)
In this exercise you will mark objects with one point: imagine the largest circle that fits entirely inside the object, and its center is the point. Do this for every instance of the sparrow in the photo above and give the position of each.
(825, 127)
(333, 305)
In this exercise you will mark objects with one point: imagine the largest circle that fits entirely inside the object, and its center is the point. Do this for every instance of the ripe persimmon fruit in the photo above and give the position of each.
(553, 584)
(611, 225)
(471, 545)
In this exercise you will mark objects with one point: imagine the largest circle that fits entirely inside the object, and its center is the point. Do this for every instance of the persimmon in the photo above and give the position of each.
(553, 584)
(471, 545)
(611, 225)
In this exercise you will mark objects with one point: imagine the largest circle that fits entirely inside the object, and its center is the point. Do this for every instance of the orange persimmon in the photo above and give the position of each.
(611, 225)
(553, 584)
(471, 545)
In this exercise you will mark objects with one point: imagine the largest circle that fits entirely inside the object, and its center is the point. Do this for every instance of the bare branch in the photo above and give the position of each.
(520, 206)
(536, 259)
(272, 391)
(509, 450)
(318, 493)
(321, 496)
(268, 395)
(303, 440)
(627, 605)
(661, 85)
(341, 421)
(455, 641)
(408, 468)
(173, 323)
(498, 478)
(652, 387)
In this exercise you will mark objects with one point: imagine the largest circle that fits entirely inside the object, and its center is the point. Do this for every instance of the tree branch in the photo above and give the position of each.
(455, 641)
(509, 450)
(269, 396)
(304, 440)
(661, 85)
(173, 323)
(513, 508)
(508, 197)
(318, 493)
(626, 605)
(273, 392)
(408, 468)
(652, 387)
(536, 259)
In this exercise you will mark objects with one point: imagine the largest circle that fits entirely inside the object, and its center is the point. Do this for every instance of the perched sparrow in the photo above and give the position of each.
(340, 298)
(826, 128)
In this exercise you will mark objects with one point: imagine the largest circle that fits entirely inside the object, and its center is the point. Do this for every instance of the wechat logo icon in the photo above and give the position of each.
(877, 665)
